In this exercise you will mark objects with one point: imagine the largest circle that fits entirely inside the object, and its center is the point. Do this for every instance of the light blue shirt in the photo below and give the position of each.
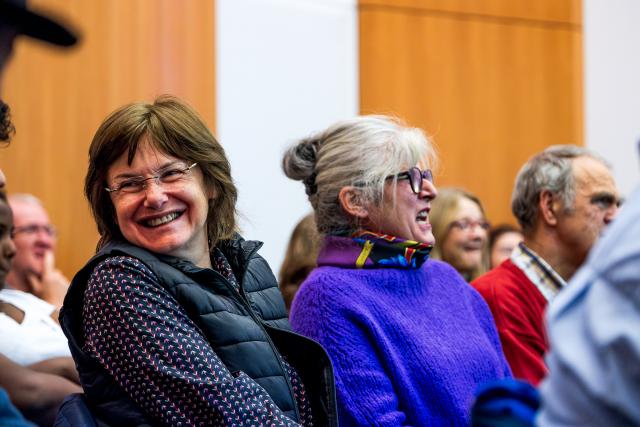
(594, 333)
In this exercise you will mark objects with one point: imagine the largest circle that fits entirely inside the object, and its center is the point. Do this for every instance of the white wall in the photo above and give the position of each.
(612, 85)
(286, 68)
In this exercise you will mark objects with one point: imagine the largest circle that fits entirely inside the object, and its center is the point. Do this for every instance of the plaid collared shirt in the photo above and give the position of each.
(545, 278)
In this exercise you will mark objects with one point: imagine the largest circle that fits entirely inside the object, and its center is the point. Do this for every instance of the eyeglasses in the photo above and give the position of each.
(415, 177)
(468, 224)
(33, 229)
(138, 183)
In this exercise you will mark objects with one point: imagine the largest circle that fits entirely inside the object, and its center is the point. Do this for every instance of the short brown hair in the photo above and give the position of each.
(175, 129)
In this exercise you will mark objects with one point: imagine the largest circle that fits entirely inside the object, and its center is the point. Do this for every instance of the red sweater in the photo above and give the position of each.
(518, 310)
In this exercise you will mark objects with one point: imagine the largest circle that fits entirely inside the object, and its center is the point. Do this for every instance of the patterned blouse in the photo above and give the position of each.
(155, 352)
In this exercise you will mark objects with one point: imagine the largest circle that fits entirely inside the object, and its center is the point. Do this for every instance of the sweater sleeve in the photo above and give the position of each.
(145, 340)
(366, 396)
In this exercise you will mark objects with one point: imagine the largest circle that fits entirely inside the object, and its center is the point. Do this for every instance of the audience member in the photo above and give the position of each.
(38, 388)
(38, 394)
(460, 229)
(594, 332)
(300, 259)
(503, 239)
(408, 337)
(198, 330)
(35, 238)
(563, 198)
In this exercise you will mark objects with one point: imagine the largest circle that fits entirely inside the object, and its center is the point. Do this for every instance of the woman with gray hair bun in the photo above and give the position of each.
(409, 340)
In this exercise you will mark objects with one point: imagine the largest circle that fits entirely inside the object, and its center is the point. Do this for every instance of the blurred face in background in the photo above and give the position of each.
(503, 246)
(34, 236)
(7, 247)
(466, 238)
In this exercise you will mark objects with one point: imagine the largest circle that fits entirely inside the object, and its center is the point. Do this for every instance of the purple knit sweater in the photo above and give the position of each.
(409, 346)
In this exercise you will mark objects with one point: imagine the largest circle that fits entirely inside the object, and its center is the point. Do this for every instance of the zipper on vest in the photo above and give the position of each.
(247, 303)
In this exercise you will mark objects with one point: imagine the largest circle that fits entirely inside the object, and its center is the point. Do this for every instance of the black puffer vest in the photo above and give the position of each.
(245, 328)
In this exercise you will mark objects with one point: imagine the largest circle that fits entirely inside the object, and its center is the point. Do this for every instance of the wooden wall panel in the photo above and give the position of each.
(131, 50)
(566, 11)
(490, 90)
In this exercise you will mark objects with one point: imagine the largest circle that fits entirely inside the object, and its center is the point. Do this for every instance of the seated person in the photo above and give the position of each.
(30, 335)
(300, 258)
(35, 239)
(594, 332)
(410, 340)
(461, 230)
(196, 328)
(39, 388)
(563, 198)
(503, 239)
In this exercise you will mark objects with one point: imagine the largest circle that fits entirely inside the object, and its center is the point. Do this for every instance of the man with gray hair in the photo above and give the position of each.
(563, 198)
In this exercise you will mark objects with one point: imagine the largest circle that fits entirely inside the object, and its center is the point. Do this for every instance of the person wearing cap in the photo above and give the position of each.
(36, 394)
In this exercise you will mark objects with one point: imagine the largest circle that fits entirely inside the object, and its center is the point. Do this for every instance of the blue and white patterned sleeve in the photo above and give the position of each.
(145, 340)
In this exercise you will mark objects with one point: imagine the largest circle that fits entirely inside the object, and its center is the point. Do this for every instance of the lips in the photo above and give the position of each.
(423, 216)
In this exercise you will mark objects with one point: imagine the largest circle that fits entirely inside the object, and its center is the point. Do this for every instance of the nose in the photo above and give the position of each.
(154, 194)
(477, 232)
(428, 190)
(44, 238)
(611, 213)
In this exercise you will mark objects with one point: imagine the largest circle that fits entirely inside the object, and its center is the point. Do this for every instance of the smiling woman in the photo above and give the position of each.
(461, 231)
(198, 333)
(409, 340)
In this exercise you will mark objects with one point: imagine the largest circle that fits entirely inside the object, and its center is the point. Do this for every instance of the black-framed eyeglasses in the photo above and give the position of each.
(415, 177)
(33, 229)
(164, 178)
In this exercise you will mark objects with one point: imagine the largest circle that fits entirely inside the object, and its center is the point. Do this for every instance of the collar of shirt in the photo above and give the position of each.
(545, 278)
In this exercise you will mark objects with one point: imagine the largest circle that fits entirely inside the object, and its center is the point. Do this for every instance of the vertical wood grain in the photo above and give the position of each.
(492, 81)
(131, 50)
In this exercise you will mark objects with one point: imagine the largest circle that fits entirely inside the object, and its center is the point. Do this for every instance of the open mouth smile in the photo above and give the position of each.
(423, 217)
(158, 221)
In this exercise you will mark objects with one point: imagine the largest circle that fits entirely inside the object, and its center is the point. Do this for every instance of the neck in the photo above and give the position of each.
(549, 248)
(17, 281)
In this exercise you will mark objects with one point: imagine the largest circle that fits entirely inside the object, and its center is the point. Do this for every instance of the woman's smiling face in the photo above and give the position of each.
(163, 218)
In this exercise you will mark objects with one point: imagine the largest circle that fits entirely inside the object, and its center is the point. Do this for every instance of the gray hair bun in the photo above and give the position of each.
(299, 163)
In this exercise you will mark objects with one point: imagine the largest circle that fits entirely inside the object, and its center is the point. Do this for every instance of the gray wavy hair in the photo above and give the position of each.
(359, 152)
(550, 170)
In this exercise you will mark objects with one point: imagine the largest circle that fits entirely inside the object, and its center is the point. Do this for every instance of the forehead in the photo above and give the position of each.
(592, 176)
(467, 209)
(147, 159)
(25, 212)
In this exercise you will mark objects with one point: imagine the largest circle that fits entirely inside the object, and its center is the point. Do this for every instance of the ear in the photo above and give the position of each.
(351, 201)
(549, 208)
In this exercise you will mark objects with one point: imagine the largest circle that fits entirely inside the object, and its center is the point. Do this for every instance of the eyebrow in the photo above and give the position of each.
(605, 196)
(163, 167)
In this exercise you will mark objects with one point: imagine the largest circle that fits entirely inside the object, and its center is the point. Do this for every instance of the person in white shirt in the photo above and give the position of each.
(33, 269)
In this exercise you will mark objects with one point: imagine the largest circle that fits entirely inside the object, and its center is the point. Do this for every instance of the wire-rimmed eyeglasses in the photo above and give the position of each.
(138, 183)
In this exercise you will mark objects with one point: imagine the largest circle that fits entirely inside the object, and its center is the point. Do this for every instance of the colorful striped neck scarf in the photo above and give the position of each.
(366, 249)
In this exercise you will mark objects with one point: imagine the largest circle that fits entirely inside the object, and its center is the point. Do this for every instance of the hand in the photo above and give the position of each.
(52, 285)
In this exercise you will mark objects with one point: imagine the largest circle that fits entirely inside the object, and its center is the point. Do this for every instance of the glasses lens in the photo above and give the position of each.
(428, 175)
(415, 179)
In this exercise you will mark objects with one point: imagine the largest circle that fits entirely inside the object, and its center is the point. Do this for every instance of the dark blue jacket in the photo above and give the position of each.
(258, 328)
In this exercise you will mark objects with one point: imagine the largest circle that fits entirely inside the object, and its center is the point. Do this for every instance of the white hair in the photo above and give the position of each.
(360, 152)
